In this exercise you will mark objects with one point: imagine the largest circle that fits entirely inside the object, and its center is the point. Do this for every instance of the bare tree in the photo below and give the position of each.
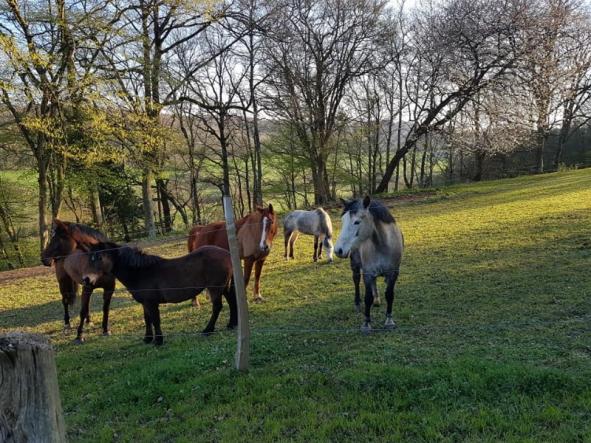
(464, 46)
(314, 53)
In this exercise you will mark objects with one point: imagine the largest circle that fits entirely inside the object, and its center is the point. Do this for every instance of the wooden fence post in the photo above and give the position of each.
(30, 406)
(243, 347)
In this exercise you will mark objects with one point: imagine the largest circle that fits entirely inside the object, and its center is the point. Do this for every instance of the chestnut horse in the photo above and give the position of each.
(255, 234)
(153, 280)
(67, 250)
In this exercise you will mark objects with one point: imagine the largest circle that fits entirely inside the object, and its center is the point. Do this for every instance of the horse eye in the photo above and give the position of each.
(357, 222)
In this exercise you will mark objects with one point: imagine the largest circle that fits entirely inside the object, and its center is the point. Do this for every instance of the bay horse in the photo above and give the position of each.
(255, 233)
(66, 250)
(370, 235)
(153, 280)
(316, 223)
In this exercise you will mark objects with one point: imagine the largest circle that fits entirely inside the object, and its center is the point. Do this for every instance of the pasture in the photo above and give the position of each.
(493, 307)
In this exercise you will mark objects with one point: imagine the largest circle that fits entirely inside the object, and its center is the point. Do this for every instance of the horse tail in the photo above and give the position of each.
(325, 223)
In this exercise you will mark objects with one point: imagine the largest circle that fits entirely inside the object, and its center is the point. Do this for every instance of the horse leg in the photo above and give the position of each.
(390, 283)
(86, 293)
(155, 316)
(69, 290)
(286, 238)
(149, 336)
(230, 296)
(292, 241)
(258, 269)
(320, 241)
(66, 314)
(376, 294)
(107, 295)
(248, 264)
(356, 269)
(369, 281)
(216, 304)
(315, 256)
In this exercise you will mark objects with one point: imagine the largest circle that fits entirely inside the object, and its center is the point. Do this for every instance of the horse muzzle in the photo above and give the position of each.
(341, 253)
(46, 261)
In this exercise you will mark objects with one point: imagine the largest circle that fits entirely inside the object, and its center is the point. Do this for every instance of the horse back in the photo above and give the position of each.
(213, 234)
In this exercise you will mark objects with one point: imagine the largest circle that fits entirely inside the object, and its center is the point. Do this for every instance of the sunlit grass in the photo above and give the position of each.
(494, 341)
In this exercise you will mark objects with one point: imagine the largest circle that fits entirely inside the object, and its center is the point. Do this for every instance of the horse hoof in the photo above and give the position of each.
(67, 327)
(389, 323)
(366, 327)
(206, 333)
(259, 299)
(148, 339)
(107, 333)
(230, 326)
(79, 341)
(159, 340)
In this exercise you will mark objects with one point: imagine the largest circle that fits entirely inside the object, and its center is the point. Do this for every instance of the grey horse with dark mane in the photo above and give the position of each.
(316, 223)
(371, 237)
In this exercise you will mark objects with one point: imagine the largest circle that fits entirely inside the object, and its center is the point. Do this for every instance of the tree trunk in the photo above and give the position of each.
(563, 135)
(479, 163)
(148, 203)
(163, 195)
(321, 185)
(540, 152)
(31, 409)
(95, 206)
(42, 203)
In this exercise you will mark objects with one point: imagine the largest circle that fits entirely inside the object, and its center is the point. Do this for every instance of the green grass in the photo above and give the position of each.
(494, 340)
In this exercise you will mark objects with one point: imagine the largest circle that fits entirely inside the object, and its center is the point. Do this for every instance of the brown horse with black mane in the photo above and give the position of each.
(67, 251)
(153, 280)
(255, 234)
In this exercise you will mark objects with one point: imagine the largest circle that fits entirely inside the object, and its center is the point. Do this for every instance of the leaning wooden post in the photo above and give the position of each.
(30, 406)
(243, 348)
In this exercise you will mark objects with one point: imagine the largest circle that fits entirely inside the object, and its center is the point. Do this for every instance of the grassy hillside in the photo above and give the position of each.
(494, 340)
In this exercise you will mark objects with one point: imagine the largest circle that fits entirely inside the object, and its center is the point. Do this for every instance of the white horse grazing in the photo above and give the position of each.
(316, 223)
(369, 235)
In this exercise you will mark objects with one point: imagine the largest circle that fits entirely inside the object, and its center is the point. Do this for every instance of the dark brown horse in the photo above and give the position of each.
(255, 234)
(66, 250)
(153, 280)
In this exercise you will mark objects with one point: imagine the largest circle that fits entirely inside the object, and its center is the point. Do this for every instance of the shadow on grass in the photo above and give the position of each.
(35, 315)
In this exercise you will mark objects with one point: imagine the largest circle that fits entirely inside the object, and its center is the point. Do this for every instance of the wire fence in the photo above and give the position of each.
(582, 320)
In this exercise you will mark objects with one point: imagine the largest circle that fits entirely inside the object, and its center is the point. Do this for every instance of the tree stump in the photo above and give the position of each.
(30, 406)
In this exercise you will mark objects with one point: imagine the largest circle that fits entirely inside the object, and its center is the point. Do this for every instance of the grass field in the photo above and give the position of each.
(494, 340)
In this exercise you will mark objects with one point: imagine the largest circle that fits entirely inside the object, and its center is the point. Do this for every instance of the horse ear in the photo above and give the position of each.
(270, 208)
(59, 225)
(366, 202)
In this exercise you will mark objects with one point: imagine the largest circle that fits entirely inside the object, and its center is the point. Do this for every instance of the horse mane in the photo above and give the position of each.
(134, 257)
(129, 256)
(377, 210)
(87, 233)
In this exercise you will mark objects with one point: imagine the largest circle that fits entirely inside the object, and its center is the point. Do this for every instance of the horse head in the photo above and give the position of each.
(268, 228)
(101, 261)
(356, 226)
(61, 243)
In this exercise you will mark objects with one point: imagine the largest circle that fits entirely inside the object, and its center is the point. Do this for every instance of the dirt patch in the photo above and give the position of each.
(17, 274)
